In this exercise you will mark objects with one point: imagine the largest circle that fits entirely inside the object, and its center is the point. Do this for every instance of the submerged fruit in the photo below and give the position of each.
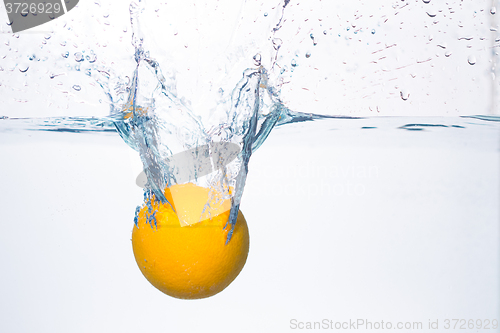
(190, 261)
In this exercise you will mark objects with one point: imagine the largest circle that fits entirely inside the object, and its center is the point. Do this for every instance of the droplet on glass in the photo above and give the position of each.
(447, 54)
(293, 63)
(65, 54)
(405, 94)
(471, 60)
(426, 1)
(308, 54)
(493, 10)
(373, 31)
(431, 13)
(77, 87)
(265, 14)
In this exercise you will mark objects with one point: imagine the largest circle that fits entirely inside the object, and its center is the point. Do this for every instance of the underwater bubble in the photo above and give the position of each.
(493, 10)
(77, 87)
(78, 57)
(405, 94)
(471, 60)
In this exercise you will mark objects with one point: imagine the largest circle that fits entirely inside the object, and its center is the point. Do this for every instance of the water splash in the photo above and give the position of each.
(176, 129)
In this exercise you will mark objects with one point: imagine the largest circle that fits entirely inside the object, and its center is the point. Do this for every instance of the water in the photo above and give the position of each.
(377, 211)
(393, 218)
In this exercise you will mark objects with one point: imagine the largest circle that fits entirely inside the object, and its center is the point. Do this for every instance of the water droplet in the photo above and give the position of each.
(23, 68)
(293, 63)
(265, 14)
(32, 57)
(373, 31)
(308, 54)
(313, 40)
(426, 1)
(91, 58)
(324, 32)
(24, 14)
(77, 87)
(78, 57)
(65, 54)
(405, 94)
(447, 54)
(257, 59)
(442, 45)
(431, 13)
(277, 43)
(471, 60)
(493, 10)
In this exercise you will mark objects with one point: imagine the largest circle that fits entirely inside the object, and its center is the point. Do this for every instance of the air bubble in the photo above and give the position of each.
(77, 87)
(471, 60)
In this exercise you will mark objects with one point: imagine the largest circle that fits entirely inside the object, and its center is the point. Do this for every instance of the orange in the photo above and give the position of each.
(189, 259)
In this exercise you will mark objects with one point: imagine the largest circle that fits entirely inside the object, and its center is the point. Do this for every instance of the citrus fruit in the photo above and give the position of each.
(189, 259)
